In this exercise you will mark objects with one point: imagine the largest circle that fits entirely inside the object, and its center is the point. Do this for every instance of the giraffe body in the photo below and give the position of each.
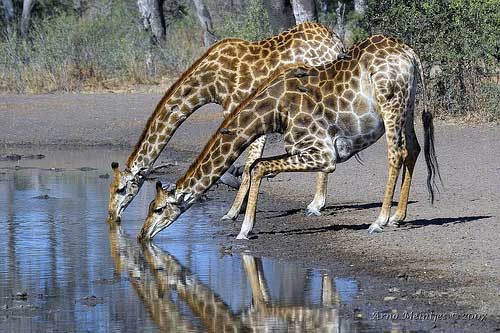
(326, 115)
(225, 74)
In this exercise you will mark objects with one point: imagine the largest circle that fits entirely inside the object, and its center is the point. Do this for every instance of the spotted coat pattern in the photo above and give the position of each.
(326, 115)
(225, 74)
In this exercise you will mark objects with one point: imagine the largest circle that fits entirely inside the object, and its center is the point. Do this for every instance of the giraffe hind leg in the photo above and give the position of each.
(397, 152)
(413, 150)
(254, 152)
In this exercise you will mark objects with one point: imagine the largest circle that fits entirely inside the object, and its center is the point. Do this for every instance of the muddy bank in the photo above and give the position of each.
(443, 259)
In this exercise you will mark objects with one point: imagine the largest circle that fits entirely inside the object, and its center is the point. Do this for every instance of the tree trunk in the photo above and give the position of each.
(26, 17)
(340, 27)
(304, 11)
(153, 18)
(360, 6)
(78, 7)
(8, 10)
(322, 6)
(280, 15)
(206, 22)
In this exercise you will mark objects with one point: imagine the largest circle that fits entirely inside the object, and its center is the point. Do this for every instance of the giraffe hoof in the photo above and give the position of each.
(227, 218)
(393, 224)
(394, 221)
(374, 228)
(312, 212)
(242, 237)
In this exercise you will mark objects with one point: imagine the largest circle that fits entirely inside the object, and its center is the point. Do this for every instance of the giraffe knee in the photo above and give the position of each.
(257, 170)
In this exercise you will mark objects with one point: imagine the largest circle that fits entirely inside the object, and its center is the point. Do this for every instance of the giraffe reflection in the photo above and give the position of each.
(158, 278)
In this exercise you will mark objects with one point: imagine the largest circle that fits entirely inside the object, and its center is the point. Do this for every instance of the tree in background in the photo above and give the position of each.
(281, 13)
(67, 45)
(153, 18)
(8, 14)
(304, 11)
(206, 22)
(459, 40)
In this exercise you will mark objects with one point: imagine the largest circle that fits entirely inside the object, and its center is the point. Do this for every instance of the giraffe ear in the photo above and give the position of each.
(159, 186)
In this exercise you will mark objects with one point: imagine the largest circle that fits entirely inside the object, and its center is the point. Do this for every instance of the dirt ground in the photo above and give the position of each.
(450, 251)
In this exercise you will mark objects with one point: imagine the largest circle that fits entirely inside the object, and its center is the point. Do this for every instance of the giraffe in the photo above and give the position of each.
(225, 74)
(326, 115)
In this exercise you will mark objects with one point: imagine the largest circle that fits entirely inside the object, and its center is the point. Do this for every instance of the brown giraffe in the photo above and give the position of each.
(326, 114)
(225, 74)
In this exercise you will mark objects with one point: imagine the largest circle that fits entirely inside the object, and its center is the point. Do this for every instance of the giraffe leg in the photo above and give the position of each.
(413, 149)
(396, 153)
(274, 165)
(320, 196)
(254, 152)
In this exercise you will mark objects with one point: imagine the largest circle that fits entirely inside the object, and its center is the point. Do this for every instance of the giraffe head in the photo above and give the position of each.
(123, 188)
(166, 207)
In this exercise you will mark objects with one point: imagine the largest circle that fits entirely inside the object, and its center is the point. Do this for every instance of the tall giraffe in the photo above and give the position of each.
(326, 115)
(225, 74)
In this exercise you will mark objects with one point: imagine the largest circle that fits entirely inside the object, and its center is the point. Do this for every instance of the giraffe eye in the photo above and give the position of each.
(121, 190)
(158, 210)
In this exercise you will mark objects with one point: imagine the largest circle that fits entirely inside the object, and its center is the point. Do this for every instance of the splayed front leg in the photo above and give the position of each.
(304, 162)
(319, 200)
(254, 152)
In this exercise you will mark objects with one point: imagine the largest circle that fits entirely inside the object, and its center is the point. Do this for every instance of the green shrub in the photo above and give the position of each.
(252, 25)
(182, 46)
(67, 53)
(457, 39)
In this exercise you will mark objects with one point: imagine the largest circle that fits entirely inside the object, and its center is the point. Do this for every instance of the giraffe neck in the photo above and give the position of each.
(255, 117)
(161, 126)
(191, 91)
(226, 74)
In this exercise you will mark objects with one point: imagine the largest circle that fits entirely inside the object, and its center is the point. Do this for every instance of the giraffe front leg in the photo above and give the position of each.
(319, 200)
(274, 165)
(254, 152)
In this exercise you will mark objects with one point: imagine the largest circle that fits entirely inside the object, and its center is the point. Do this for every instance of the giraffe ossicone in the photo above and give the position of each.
(225, 74)
(326, 115)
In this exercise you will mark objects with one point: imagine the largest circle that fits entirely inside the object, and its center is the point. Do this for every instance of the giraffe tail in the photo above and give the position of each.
(428, 125)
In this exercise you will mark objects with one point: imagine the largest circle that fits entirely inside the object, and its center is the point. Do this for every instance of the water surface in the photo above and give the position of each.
(63, 268)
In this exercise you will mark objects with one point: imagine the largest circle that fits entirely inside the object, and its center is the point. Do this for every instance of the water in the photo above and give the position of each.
(62, 268)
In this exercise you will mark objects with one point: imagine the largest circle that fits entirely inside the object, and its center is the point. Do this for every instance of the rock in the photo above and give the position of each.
(105, 176)
(21, 296)
(92, 300)
(389, 298)
(394, 290)
(226, 250)
(34, 157)
(56, 169)
(42, 197)
(85, 169)
(230, 180)
(13, 157)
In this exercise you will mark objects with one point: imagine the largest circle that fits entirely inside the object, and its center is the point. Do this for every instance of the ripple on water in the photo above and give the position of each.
(81, 275)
